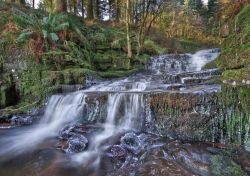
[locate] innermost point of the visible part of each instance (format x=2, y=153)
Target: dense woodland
x=49, y=43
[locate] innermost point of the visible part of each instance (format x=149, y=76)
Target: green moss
x=20, y=108
x=151, y=48
x=236, y=48
x=111, y=60
x=243, y=20
x=116, y=73
x=210, y=65
x=238, y=74
x=2, y=97
x=141, y=60
x=224, y=166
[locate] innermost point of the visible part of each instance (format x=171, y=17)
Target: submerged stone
x=131, y=142
x=77, y=144
x=118, y=151
x=18, y=120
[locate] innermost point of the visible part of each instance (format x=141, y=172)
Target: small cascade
x=60, y=111
x=124, y=113
x=201, y=58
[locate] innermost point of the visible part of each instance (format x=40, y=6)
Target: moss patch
x=237, y=74
x=224, y=166
x=210, y=65
x=236, y=48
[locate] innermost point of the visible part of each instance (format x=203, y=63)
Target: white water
x=201, y=58
x=125, y=106
x=60, y=111
x=132, y=106
x=183, y=63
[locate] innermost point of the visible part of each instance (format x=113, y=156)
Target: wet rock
x=131, y=142
x=191, y=80
x=197, y=160
x=38, y=111
x=77, y=144
x=18, y=120
x=243, y=159
x=66, y=132
x=118, y=151
x=5, y=119
x=162, y=167
x=213, y=150
x=247, y=146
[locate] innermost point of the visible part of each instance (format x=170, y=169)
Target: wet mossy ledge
x=217, y=117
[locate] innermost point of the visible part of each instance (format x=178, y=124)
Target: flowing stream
x=103, y=130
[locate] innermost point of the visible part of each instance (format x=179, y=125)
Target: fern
x=23, y=37
x=78, y=56
x=62, y=26
x=54, y=37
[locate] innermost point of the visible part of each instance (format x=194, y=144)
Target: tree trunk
x=141, y=32
x=22, y=2
x=33, y=4
x=75, y=3
x=90, y=14
x=83, y=11
x=128, y=29
x=60, y=6
x=117, y=11
x=97, y=9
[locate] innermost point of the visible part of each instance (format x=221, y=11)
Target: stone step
x=194, y=80
x=177, y=78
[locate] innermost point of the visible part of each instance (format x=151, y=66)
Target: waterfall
x=127, y=105
x=201, y=58
x=60, y=111
x=124, y=112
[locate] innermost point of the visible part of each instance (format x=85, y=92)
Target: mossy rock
x=68, y=78
x=244, y=95
x=74, y=75
x=116, y=73
x=224, y=166
x=237, y=74
x=141, y=60
x=111, y=60
x=55, y=77
x=151, y=48
x=210, y=65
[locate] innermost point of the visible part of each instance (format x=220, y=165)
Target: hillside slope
x=235, y=49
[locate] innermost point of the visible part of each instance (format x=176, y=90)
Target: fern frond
x=23, y=37
x=62, y=26
x=54, y=37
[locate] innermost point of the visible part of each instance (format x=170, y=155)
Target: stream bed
x=172, y=119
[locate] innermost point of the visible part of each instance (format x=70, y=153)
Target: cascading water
x=125, y=100
x=124, y=112
x=173, y=90
x=61, y=110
